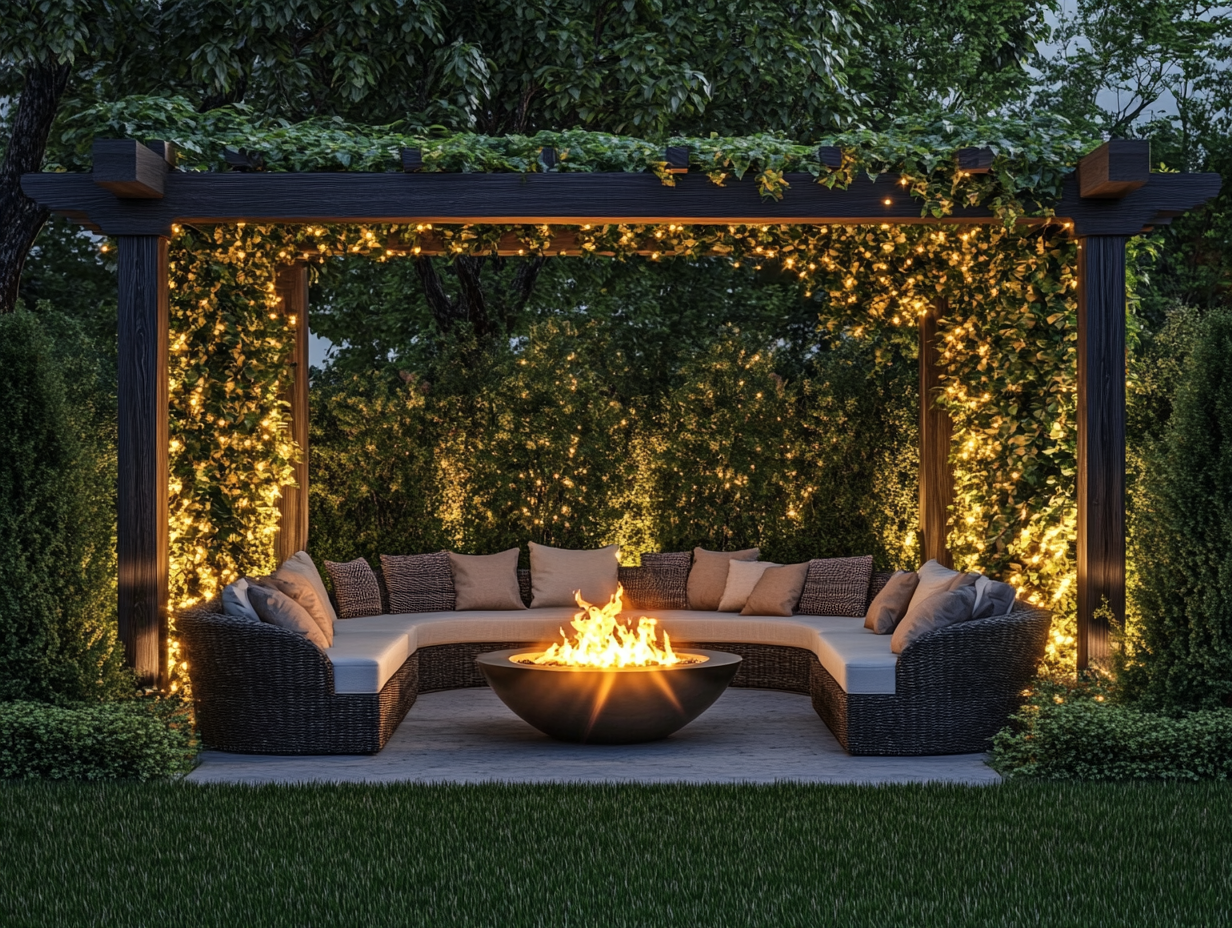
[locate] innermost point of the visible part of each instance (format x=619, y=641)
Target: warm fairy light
x=602, y=640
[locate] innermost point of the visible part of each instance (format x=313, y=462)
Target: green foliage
x=137, y=739
x=57, y=516
x=1184, y=537
x=1080, y=733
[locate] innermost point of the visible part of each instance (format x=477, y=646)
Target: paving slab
x=469, y=736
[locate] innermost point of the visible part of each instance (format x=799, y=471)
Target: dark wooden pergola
x=135, y=194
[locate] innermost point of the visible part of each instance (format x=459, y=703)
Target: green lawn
x=174, y=854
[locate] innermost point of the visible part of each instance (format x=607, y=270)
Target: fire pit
x=612, y=684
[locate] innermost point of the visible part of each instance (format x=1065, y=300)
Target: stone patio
x=468, y=736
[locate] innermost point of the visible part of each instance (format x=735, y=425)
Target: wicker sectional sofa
x=262, y=689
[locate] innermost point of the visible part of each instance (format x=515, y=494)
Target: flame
x=603, y=641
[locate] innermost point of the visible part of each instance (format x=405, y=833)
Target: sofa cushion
x=235, y=601
x=992, y=597
x=296, y=586
x=301, y=563
x=777, y=592
x=419, y=582
x=708, y=576
x=368, y=651
x=356, y=589
x=742, y=576
x=890, y=604
x=933, y=579
x=557, y=573
x=277, y=608
x=836, y=586
x=486, y=581
x=940, y=610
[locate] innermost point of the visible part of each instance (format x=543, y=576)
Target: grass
x=176, y=854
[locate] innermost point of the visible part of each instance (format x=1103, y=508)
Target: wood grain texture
x=142, y=491
x=936, y=433
x=1114, y=169
x=292, y=288
x=1101, y=440
x=564, y=199
x=129, y=169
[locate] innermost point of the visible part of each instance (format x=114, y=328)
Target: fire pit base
x=624, y=706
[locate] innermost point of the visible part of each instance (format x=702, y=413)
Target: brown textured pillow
x=662, y=582
x=486, y=581
x=948, y=607
x=890, y=605
x=836, y=586
x=708, y=578
x=418, y=582
x=277, y=608
x=356, y=588
x=296, y=585
x=778, y=590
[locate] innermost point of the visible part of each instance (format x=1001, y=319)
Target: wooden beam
x=129, y=169
x=936, y=433
x=1101, y=440
x=1115, y=169
x=677, y=158
x=142, y=491
x=830, y=155
x=412, y=160
x=975, y=160
x=292, y=288
x=566, y=198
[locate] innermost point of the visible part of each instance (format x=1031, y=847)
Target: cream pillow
x=556, y=573
x=301, y=563
x=708, y=575
x=742, y=576
x=486, y=581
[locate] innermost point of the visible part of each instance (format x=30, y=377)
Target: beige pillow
x=945, y=608
x=277, y=608
x=555, y=573
x=778, y=590
x=486, y=581
x=890, y=604
x=708, y=575
x=296, y=586
x=301, y=563
x=742, y=576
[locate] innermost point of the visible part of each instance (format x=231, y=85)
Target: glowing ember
x=603, y=641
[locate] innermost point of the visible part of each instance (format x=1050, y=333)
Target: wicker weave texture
x=452, y=666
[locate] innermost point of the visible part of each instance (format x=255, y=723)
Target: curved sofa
x=261, y=689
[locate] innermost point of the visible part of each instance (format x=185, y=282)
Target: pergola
x=135, y=194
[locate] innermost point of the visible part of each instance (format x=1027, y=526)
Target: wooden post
x=142, y=491
x=936, y=431
x=1101, y=439
x=292, y=288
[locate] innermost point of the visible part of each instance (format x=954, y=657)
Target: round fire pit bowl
x=617, y=706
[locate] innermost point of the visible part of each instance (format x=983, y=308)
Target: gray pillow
x=277, y=608
x=995, y=598
x=708, y=577
x=298, y=587
x=235, y=601
x=949, y=607
x=486, y=581
x=890, y=604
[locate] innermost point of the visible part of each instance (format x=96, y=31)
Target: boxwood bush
x=1065, y=733
x=138, y=739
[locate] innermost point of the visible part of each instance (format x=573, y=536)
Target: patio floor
x=468, y=736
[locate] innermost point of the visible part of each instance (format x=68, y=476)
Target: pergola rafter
x=136, y=195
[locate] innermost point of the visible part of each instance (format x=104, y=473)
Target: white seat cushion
x=368, y=651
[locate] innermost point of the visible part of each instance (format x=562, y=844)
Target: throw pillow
x=778, y=591
x=300, y=562
x=235, y=601
x=836, y=586
x=486, y=581
x=964, y=580
x=934, y=579
x=418, y=582
x=276, y=608
x=742, y=576
x=296, y=586
x=356, y=588
x=890, y=604
x=557, y=573
x=938, y=611
x=992, y=598
x=708, y=576
x=663, y=581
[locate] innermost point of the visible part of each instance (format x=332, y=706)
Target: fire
x=603, y=641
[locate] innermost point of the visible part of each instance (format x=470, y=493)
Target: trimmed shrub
x=1083, y=738
x=57, y=516
x=1181, y=654
x=131, y=739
